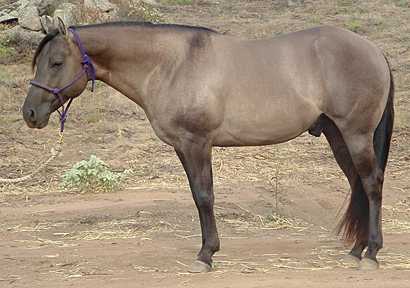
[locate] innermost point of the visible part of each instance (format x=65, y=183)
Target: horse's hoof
x=350, y=261
x=369, y=264
x=199, y=267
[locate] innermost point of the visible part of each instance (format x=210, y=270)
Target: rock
x=8, y=18
x=22, y=38
x=47, y=7
x=25, y=3
x=28, y=18
x=9, y=13
x=68, y=12
x=101, y=5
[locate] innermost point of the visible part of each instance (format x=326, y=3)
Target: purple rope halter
x=87, y=69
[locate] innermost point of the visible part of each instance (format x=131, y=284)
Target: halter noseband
x=87, y=69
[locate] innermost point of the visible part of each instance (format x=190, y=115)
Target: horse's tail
x=382, y=135
x=355, y=223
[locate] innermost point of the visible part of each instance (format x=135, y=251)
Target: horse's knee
x=213, y=244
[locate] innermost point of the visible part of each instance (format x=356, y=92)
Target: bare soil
x=276, y=206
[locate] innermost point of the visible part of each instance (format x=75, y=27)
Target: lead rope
x=55, y=151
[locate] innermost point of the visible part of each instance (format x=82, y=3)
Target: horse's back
x=275, y=89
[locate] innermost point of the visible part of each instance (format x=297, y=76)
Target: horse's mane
x=177, y=27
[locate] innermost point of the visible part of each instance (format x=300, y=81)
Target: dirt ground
x=276, y=206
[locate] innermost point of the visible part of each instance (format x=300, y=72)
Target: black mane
x=177, y=27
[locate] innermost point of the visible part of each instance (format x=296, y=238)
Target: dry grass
x=396, y=218
x=323, y=258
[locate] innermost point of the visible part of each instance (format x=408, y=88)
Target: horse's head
x=57, y=63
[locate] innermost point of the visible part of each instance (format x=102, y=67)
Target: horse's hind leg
x=364, y=159
x=355, y=221
x=196, y=159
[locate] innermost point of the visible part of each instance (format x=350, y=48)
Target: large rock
x=9, y=13
x=47, y=7
x=22, y=38
x=29, y=19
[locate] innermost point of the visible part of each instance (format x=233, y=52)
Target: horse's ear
x=47, y=24
x=62, y=28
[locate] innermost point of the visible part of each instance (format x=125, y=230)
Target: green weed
x=92, y=175
x=354, y=25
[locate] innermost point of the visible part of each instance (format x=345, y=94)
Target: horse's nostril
x=30, y=114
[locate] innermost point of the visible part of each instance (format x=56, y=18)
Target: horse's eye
x=57, y=64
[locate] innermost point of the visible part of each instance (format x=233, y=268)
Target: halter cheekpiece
x=87, y=68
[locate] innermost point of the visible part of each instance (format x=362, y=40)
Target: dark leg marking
x=196, y=159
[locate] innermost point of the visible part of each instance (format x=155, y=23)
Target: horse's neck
x=128, y=59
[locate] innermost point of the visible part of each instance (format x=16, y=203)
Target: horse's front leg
x=196, y=159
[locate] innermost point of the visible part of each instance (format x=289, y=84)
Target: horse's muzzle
x=33, y=118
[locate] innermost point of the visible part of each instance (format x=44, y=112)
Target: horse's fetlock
x=216, y=245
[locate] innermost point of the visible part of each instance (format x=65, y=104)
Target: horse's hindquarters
x=356, y=80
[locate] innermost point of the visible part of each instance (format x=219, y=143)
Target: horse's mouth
x=38, y=124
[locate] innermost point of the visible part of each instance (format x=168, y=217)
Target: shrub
x=92, y=175
x=140, y=11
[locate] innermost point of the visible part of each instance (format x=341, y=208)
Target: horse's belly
x=253, y=128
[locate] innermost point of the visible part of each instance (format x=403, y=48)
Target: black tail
x=355, y=223
x=382, y=135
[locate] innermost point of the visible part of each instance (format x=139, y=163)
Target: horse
x=200, y=89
